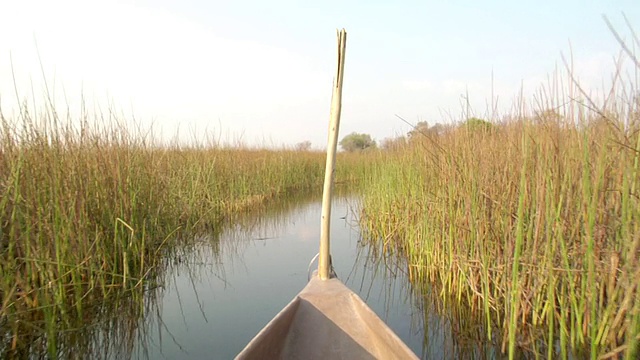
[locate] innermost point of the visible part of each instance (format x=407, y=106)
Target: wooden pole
x=324, y=266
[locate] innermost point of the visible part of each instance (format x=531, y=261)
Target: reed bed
x=533, y=223
x=88, y=212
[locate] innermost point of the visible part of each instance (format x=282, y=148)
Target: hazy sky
x=261, y=71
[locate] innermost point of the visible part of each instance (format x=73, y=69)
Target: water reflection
x=218, y=290
x=448, y=330
x=214, y=310
x=263, y=263
x=104, y=330
x=437, y=330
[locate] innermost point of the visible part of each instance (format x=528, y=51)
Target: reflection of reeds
x=207, y=254
x=106, y=330
x=88, y=213
x=449, y=330
x=531, y=223
x=119, y=327
x=200, y=254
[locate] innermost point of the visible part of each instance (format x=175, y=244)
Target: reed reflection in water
x=222, y=291
x=219, y=289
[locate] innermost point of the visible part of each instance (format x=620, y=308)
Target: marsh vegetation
x=523, y=228
x=529, y=221
x=88, y=213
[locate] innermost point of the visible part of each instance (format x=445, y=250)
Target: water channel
x=217, y=292
x=224, y=290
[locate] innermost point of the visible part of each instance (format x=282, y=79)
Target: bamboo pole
x=324, y=271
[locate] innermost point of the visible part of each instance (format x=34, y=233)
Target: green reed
x=532, y=223
x=88, y=212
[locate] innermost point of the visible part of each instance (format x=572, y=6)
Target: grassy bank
x=87, y=214
x=533, y=223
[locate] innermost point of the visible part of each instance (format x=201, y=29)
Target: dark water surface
x=222, y=291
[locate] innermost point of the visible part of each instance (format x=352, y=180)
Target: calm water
x=214, y=294
x=223, y=291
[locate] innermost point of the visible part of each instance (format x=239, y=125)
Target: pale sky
x=261, y=71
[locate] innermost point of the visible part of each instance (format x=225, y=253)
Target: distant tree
x=393, y=143
x=303, y=146
x=476, y=124
x=420, y=129
x=548, y=115
x=357, y=142
x=437, y=129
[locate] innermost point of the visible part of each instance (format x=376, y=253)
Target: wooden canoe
x=326, y=320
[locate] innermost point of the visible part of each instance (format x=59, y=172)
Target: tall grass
x=533, y=223
x=87, y=212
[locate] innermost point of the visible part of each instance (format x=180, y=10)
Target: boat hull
x=326, y=320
